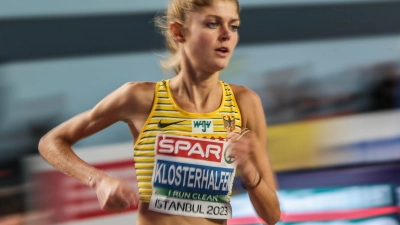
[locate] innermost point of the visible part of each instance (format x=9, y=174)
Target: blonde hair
x=177, y=11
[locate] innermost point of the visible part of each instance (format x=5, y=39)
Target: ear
x=176, y=30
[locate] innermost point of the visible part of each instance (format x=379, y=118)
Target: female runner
x=191, y=132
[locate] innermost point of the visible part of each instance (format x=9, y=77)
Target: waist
x=148, y=217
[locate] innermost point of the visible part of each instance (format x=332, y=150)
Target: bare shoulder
x=137, y=89
x=244, y=95
x=137, y=93
x=250, y=105
x=128, y=100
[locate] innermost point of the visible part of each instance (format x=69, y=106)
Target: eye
x=212, y=25
x=234, y=28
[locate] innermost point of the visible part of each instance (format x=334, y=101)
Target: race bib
x=192, y=177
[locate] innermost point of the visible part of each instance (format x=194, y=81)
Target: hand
x=114, y=194
x=241, y=147
x=242, y=150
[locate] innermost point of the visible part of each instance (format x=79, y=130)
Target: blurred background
x=327, y=71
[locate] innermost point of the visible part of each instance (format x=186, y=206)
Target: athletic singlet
x=181, y=158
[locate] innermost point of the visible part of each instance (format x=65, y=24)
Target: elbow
x=43, y=142
x=52, y=143
x=273, y=216
x=276, y=217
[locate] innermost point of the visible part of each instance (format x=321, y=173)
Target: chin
x=215, y=65
x=220, y=66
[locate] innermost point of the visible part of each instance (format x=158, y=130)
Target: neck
x=203, y=91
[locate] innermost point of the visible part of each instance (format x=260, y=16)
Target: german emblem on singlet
x=229, y=123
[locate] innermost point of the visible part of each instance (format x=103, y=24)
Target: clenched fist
x=114, y=194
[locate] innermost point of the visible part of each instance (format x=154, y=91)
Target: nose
x=225, y=33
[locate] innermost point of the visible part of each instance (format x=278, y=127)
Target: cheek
x=204, y=41
x=202, y=45
x=235, y=39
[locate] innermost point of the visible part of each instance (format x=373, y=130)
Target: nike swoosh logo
x=164, y=125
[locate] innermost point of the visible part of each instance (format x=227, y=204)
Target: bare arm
x=55, y=147
x=254, y=162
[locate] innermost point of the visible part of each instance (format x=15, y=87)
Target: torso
x=147, y=216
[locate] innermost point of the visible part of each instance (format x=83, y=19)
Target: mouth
x=222, y=52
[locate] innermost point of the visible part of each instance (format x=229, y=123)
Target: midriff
x=148, y=217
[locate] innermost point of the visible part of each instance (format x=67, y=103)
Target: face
x=211, y=36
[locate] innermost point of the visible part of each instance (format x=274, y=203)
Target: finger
x=240, y=150
x=244, y=131
x=130, y=195
x=132, y=198
x=125, y=204
x=239, y=157
x=117, y=205
x=240, y=147
x=232, y=136
x=237, y=137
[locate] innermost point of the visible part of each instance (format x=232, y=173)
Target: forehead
x=222, y=8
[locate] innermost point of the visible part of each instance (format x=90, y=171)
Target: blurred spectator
x=32, y=218
x=13, y=210
x=385, y=95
